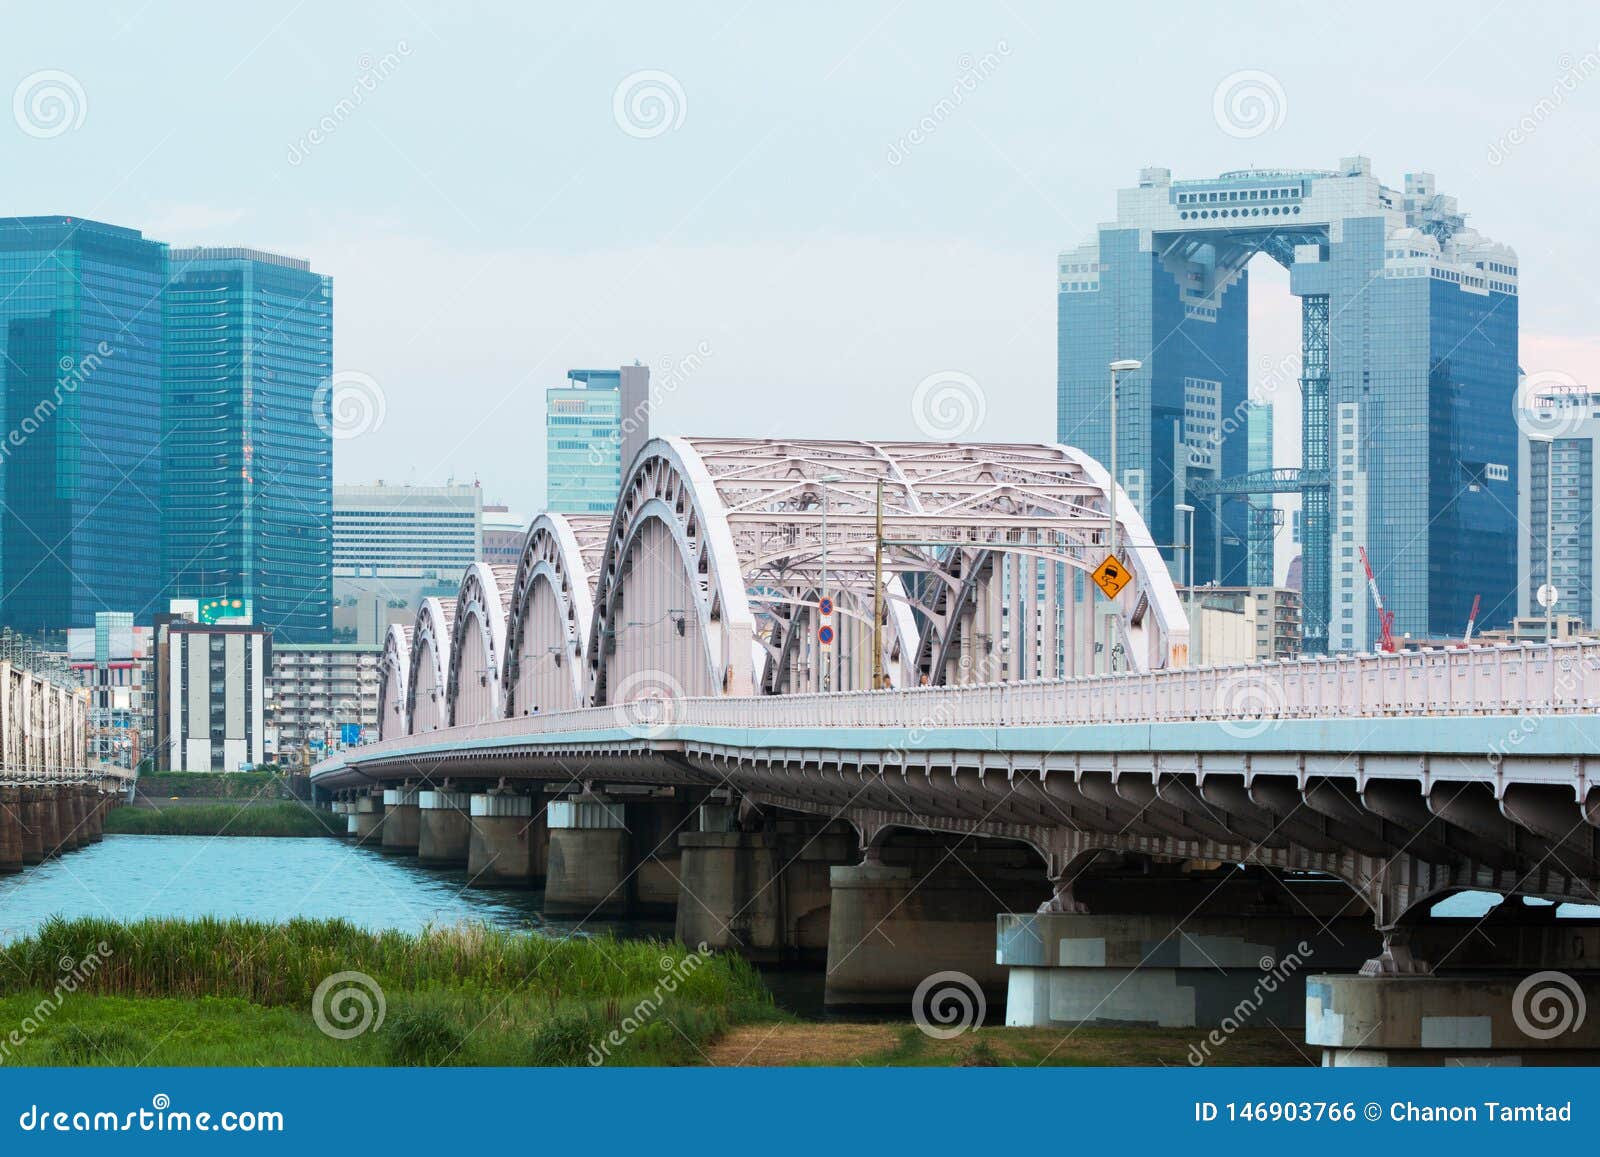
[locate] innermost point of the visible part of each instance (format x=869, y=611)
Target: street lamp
x=825, y=654
x=1120, y=366
x=1187, y=511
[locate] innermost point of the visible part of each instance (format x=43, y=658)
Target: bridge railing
x=1525, y=679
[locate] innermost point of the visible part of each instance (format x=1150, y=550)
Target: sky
x=810, y=211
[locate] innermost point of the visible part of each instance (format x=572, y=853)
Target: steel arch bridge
x=708, y=576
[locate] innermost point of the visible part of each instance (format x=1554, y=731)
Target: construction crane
x=1472, y=620
x=1385, y=617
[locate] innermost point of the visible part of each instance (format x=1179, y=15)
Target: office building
x=503, y=533
x=80, y=399
x=594, y=425
x=394, y=546
x=322, y=697
x=1243, y=624
x=215, y=695
x=1556, y=484
x=247, y=473
x=1408, y=371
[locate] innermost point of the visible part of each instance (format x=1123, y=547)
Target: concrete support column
x=1478, y=1019
x=52, y=817
x=369, y=816
x=1169, y=971
x=94, y=814
x=654, y=826
x=73, y=835
x=892, y=925
x=10, y=829
x=444, y=827
x=509, y=844
x=588, y=865
x=401, y=820
x=763, y=894
x=32, y=813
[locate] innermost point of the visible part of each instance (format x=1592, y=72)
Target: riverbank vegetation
x=225, y=819
x=324, y=992
x=266, y=783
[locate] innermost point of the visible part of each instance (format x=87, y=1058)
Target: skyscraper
x=80, y=407
x=247, y=481
x=1408, y=374
x=594, y=425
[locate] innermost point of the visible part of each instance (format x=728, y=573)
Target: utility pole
x=877, y=595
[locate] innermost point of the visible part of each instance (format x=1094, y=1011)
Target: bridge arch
x=478, y=644
x=550, y=614
x=427, y=707
x=394, y=677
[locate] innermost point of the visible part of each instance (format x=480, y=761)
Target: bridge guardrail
x=1529, y=678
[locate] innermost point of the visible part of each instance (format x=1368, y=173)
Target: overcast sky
x=503, y=191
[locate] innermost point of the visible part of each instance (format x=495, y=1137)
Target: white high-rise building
x=1557, y=479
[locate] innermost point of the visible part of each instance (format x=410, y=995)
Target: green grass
x=225, y=819
x=235, y=992
x=213, y=784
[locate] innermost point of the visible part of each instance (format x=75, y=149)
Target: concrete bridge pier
x=655, y=824
x=509, y=846
x=31, y=812
x=401, y=819
x=53, y=825
x=368, y=819
x=921, y=905
x=1177, y=946
x=94, y=814
x=74, y=834
x=765, y=894
x=444, y=827
x=1520, y=987
x=10, y=829
x=587, y=872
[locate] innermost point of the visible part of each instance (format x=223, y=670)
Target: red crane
x=1472, y=619
x=1385, y=617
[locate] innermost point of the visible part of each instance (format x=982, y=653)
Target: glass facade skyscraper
x=583, y=442
x=247, y=479
x=80, y=405
x=1408, y=379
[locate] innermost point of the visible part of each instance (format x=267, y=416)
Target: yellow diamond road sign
x=1111, y=576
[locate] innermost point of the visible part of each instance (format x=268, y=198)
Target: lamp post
x=1120, y=366
x=825, y=654
x=1187, y=511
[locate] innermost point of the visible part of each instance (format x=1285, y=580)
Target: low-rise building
x=1243, y=624
x=323, y=698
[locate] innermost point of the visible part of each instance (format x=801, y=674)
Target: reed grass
x=222, y=819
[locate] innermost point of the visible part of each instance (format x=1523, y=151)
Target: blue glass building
x=1407, y=384
x=80, y=407
x=583, y=442
x=247, y=437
